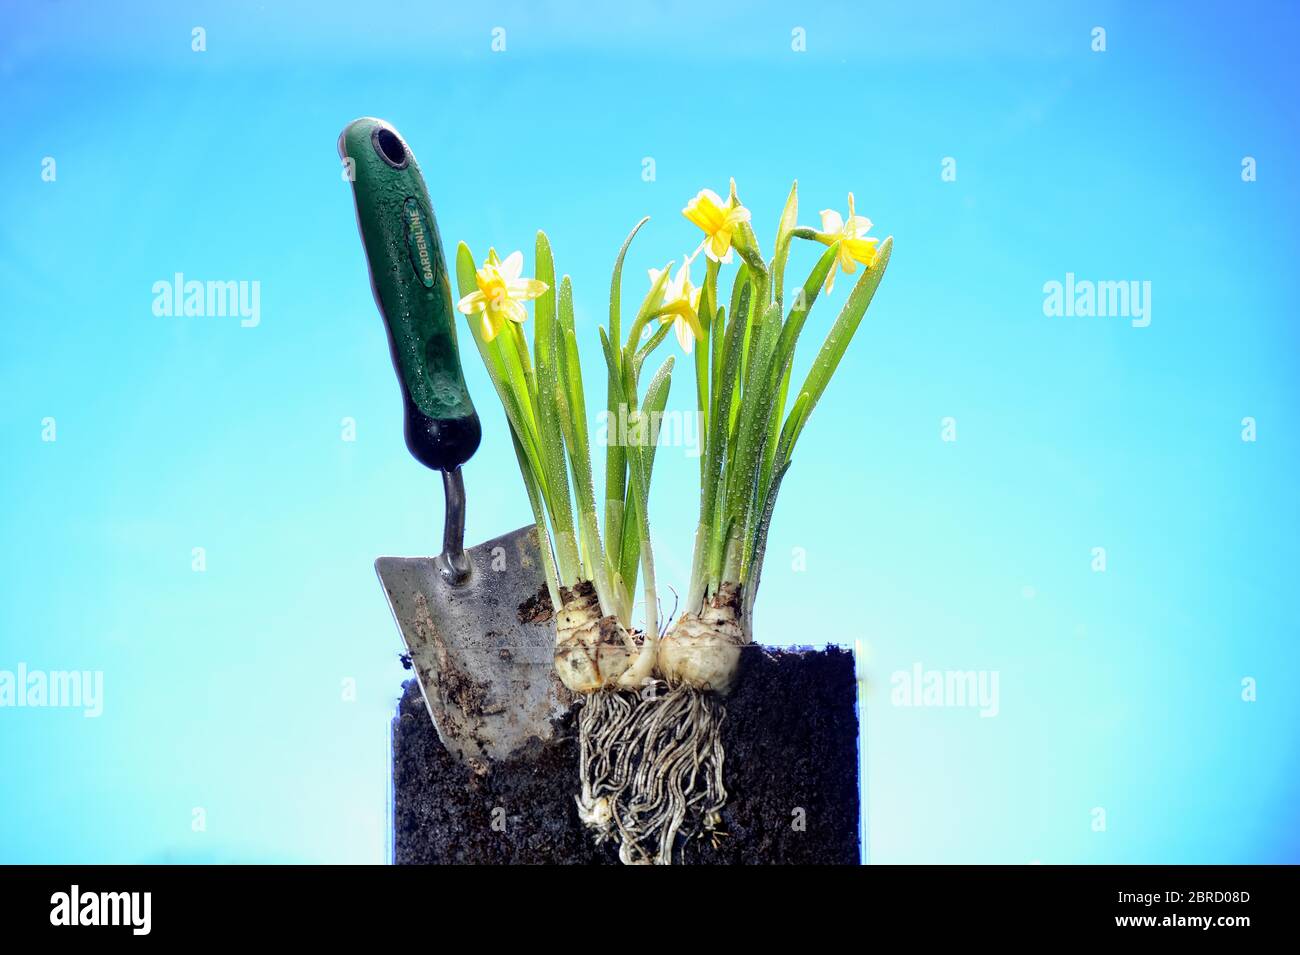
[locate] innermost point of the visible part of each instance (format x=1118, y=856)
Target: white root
x=651, y=768
x=650, y=762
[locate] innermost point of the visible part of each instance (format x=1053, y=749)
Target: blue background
x=1119, y=690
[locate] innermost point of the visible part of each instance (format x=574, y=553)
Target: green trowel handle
x=408, y=273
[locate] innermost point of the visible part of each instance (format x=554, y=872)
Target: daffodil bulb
x=592, y=650
x=703, y=650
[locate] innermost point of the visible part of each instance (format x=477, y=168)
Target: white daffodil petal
x=684, y=273
x=513, y=266
x=473, y=302
x=514, y=311
x=831, y=221
x=684, y=336
x=526, y=288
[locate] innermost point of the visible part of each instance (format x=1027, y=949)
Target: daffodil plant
x=591, y=583
x=649, y=731
x=749, y=424
x=743, y=353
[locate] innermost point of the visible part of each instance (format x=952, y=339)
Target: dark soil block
x=791, y=771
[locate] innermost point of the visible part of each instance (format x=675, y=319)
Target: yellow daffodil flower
x=500, y=294
x=851, y=234
x=718, y=219
x=681, y=303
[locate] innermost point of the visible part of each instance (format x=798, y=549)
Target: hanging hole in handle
x=390, y=147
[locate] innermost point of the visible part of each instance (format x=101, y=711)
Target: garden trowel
x=476, y=622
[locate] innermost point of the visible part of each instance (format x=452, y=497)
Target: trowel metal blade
x=485, y=668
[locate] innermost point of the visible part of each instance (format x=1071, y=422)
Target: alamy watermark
x=133, y=910
x=626, y=428
x=58, y=689
x=189, y=298
x=972, y=689
x=1084, y=298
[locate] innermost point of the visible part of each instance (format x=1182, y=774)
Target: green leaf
x=550, y=433
x=789, y=215
x=622, y=530
x=651, y=343
x=539, y=519
x=656, y=399
x=758, y=393
x=785, y=356
x=841, y=333
x=721, y=450
x=643, y=456
x=741, y=295
x=739, y=289
x=703, y=366
x=510, y=346
x=616, y=284
x=615, y=455
x=775, y=417
x=570, y=367
x=828, y=359
x=793, y=423
x=573, y=421
x=753, y=567
x=495, y=365
x=754, y=562
x=799, y=312
x=649, y=306
x=742, y=320
x=640, y=464
x=527, y=447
